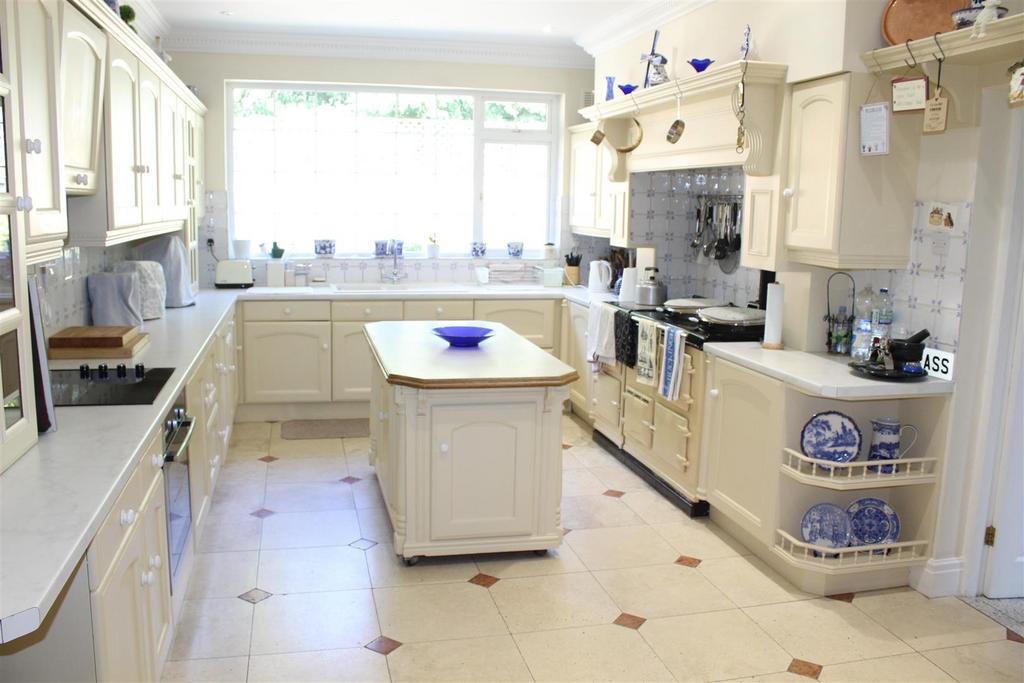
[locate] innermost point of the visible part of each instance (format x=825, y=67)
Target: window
x=358, y=163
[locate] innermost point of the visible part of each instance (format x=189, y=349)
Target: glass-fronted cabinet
x=18, y=425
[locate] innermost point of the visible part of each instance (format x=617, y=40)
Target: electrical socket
x=209, y=241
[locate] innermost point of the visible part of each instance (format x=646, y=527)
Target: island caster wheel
x=540, y=553
x=411, y=561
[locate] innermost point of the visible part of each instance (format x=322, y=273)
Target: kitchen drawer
x=439, y=310
x=638, y=417
x=119, y=523
x=366, y=310
x=531, y=318
x=152, y=461
x=287, y=310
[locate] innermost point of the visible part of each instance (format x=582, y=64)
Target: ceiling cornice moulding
x=367, y=47
x=641, y=18
x=149, y=22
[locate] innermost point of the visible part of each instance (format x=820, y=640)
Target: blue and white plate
x=873, y=521
x=826, y=525
x=832, y=436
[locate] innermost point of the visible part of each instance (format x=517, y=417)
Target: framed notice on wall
x=909, y=94
x=874, y=129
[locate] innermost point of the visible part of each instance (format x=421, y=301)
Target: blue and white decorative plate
x=831, y=435
x=873, y=521
x=826, y=525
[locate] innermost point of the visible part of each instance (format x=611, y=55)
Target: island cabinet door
x=483, y=476
x=287, y=362
x=744, y=446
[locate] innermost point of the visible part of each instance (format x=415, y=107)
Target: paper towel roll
x=773, y=317
x=627, y=293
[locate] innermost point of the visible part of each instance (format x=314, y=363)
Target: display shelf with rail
x=856, y=475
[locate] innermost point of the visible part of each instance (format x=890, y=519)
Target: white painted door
x=122, y=130
x=482, y=470
x=583, y=182
x=287, y=362
x=82, y=77
x=605, y=402
x=352, y=362
x=157, y=583
x=149, y=145
x=580, y=390
x=119, y=617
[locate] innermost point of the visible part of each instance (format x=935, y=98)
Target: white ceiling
x=536, y=22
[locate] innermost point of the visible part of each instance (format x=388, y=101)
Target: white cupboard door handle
x=614, y=403
x=155, y=562
x=157, y=461
x=713, y=393
x=287, y=310
x=127, y=517
x=440, y=311
x=685, y=432
x=444, y=447
x=366, y=311
x=19, y=204
x=232, y=368
x=594, y=401
x=787, y=192
x=28, y=202
x=325, y=346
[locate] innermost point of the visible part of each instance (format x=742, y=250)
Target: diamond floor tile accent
x=843, y=597
x=262, y=513
x=802, y=668
x=565, y=531
x=1014, y=636
x=566, y=446
x=383, y=645
x=255, y=595
x=350, y=479
x=687, y=561
x=363, y=544
x=612, y=493
x=629, y=621
x=267, y=458
x=485, y=580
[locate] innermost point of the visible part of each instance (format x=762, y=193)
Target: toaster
x=233, y=274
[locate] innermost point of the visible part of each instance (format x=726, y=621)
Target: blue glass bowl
x=700, y=64
x=463, y=335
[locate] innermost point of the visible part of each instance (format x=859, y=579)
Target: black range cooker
x=698, y=332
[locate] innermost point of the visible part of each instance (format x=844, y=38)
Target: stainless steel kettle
x=650, y=291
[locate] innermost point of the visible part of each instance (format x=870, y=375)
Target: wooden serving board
x=95, y=336
x=134, y=345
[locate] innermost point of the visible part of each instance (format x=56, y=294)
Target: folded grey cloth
x=115, y=299
x=152, y=285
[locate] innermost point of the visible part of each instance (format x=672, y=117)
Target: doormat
x=294, y=430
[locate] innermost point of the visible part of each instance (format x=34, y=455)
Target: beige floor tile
x=703, y=540
x=242, y=470
x=561, y=560
x=375, y=524
x=327, y=468
x=241, y=431
x=654, y=509
x=571, y=462
x=308, y=496
x=928, y=624
x=309, y=529
x=359, y=465
x=748, y=581
x=995, y=662
x=476, y=660
x=212, y=628
x=443, y=611
x=714, y=646
x=662, y=591
x=780, y=677
x=617, y=547
x=542, y=603
x=224, y=670
x=592, y=512
x=249, y=440
x=223, y=575
x=237, y=496
x=356, y=665
x=303, y=622
x=581, y=483
x=310, y=570
x=302, y=448
x=367, y=494
x=237, y=532
x=386, y=569
x=908, y=668
x=593, y=456
x=619, y=477
x=594, y=653
x=852, y=635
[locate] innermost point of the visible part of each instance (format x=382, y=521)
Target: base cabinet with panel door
x=606, y=410
x=534, y=319
x=200, y=402
x=287, y=361
x=352, y=362
x=83, y=70
x=575, y=346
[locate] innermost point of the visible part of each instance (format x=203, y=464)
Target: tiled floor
x=296, y=580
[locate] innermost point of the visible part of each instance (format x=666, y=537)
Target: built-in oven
x=178, y=428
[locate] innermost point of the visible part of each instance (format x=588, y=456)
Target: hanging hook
x=911, y=53
x=942, y=52
x=636, y=107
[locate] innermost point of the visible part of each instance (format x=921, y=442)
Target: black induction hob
x=104, y=386
x=699, y=332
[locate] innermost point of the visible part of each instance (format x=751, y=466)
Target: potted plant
x=433, y=248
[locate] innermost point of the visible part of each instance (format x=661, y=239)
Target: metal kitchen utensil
x=675, y=131
x=698, y=234
x=722, y=244
x=709, y=244
x=737, y=220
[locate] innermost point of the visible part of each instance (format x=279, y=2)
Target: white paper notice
x=874, y=129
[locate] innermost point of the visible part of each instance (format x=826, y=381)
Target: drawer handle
x=647, y=424
x=287, y=310
x=594, y=401
x=440, y=311
x=147, y=578
x=157, y=461
x=787, y=192
x=325, y=346
x=127, y=517
x=614, y=404
x=713, y=393
x=684, y=431
x=155, y=562
x=366, y=311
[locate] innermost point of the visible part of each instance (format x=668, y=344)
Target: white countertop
x=420, y=291
x=820, y=374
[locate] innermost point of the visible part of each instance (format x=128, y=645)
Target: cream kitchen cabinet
x=576, y=355
x=157, y=577
x=149, y=169
x=353, y=363
x=201, y=401
x=844, y=210
x=532, y=318
x=287, y=361
x=606, y=403
x=451, y=309
x=637, y=420
x=761, y=232
x=37, y=42
x=124, y=164
x=171, y=156
x=671, y=453
x=82, y=79
x=745, y=423
x=583, y=181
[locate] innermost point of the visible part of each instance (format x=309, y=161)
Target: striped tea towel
x=671, y=370
x=647, y=352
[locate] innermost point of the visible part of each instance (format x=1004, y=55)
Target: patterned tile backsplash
x=63, y=297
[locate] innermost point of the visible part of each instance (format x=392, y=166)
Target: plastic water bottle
x=863, y=325
x=882, y=316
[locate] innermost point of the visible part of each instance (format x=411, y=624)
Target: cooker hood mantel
x=707, y=102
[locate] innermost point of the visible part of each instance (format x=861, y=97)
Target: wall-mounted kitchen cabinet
x=83, y=74
x=841, y=209
x=598, y=206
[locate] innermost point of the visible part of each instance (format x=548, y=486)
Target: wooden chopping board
x=94, y=336
x=129, y=350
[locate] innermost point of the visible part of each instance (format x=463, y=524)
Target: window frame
x=551, y=138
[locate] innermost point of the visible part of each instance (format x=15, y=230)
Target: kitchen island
x=466, y=441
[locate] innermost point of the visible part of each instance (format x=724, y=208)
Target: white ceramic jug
x=600, y=276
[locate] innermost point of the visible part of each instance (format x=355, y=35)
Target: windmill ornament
x=656, y=73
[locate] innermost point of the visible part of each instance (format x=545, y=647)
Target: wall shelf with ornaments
x=707, y=103
x=1003, y=42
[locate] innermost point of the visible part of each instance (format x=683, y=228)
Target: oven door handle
x=179, y=452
